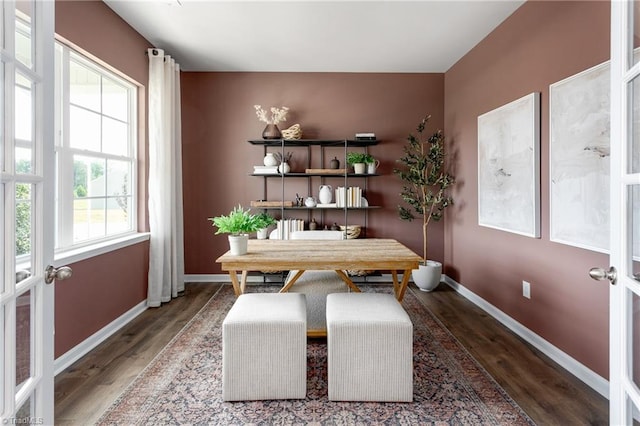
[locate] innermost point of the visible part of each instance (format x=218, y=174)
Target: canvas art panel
x=509, y=167
x=579, y=144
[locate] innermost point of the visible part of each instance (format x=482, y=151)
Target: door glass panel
x=24, y=415
x=24, y=225
x=634, y=227
x=24, y=46
x=24, y=160
x=634, y=143
x=23, y=337
x=24, y=108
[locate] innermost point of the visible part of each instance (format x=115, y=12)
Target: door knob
x=61, y=273
x=601, y=274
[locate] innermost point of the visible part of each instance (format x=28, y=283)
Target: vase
x=271, y=131
x=284, y=168
x=326, y=194
x=359, y=168
x=269, y=160
x=427, y=277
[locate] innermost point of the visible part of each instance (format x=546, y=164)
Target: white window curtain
x=166, y=254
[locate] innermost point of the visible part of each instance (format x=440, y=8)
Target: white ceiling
x=315, y=36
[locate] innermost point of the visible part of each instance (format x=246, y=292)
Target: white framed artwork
x=579, y=142
x=509, y=167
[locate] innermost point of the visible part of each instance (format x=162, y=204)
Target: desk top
x=363, y=253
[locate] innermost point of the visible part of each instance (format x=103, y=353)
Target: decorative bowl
x=353, y=231
x=293, y=132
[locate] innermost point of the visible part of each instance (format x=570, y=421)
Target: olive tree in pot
x=238, y=224
x=425, y=186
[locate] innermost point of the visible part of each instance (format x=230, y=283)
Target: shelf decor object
x=271, y=131
x=509, y=167
x=579, y=143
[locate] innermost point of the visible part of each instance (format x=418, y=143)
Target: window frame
x=65, y=246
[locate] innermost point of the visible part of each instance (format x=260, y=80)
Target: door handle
x=600, y=274
x=61, y=273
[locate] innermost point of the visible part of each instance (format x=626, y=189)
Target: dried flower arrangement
x=283, y=158
x=277, y=114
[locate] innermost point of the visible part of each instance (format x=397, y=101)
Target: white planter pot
x=238, y=244
x=359, y=168
x=262, y=233
x=427, y=277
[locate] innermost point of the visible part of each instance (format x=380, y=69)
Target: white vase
x=269, y=160
x=238, y=244
x=427, y=277
x=359, y=168
x=262, y=234
x=284, y=168
x=325, y=194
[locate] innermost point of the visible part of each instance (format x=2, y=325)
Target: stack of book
x=348, y=197
x=265, y=170
x=286, y=226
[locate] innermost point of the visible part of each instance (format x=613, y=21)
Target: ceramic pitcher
x=326, y=194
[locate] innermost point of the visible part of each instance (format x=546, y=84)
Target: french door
x=27, y=218
x=625, y=215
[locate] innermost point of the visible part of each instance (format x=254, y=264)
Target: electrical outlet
x=526, y=289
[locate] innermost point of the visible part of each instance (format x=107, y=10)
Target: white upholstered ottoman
x=370, y=348
x=264, y=347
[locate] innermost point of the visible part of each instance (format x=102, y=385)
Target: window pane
x=88, y=219
x=634, y=145
x=117, y=215
x=2, y=100
x=114, y=137
x=23, y=108
x=88, y=177
x=23, y=338
x=84, y=129
x=84, y=87
x=115, y=101
x=24, y=50
x=24, y=162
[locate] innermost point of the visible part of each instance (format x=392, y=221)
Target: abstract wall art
x=509, y=167
x=579, y=141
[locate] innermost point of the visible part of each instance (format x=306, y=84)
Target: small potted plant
x=238, y=224
x=425, y=191
x=372, y=164
x=358, y=160
x=265, y=220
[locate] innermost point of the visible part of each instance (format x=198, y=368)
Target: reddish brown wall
x=104, y=287
x=218, y=118
x=541, y=43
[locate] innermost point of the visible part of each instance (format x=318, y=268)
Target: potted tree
x=238, y=224
x=425, y=192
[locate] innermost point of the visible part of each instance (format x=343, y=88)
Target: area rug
x=183, y=384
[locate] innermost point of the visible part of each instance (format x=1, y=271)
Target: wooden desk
x=301, y=255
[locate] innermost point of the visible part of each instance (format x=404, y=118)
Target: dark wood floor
x=546, y=392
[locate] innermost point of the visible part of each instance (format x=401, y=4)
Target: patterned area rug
x=183, y=384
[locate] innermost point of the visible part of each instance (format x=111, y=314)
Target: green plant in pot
x=265, y=220
x=358, y=160
x=424, y=191
x=239, y=223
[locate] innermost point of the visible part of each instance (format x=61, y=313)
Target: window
x=95, y=152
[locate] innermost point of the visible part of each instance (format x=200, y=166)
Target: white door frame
x=624, y=395
x=37, y=390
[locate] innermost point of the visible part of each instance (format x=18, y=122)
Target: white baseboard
x=80, y=350
x=592, y=379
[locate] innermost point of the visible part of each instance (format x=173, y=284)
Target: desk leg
x=243, y=282
x=291, y=282
x=396, y=285
x=348, y=281
x=236, y=285
x=403, y=286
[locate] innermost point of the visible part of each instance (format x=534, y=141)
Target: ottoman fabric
x=370, y=348
x=264, y=348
